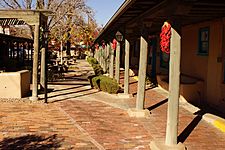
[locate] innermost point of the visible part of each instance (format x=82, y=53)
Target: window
x=203, y=41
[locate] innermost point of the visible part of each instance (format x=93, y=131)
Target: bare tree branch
x=8, y=4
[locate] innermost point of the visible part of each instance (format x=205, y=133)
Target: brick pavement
x=78, y=117
x=38, y=126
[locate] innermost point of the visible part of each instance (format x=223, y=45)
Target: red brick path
x=86, y=119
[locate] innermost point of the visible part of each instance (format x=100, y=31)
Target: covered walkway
x=78, y=117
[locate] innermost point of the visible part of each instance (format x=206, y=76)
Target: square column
x=174, y=89
x=104, y=57
x=111, y=57
x=100, y=56
x=139, y=111
x=142, y=74
x=174, y=94
x=42, y=77
x=107, y=57
x=35, y=64
x=127, y=65
x=117, y=68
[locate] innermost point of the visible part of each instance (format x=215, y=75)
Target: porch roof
x=134, y=14
x=14, y=38
x=11, y=21
x=22, y=17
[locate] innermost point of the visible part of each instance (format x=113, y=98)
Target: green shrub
x=97, y=69
x=92, y=60
x=96, y=82
x=105, y=84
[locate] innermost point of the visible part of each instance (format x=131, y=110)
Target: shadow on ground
x=157, y=105
x=73, y=97
x=191, y=126
x=31, y=142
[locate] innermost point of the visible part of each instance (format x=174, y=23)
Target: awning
x=152, y=13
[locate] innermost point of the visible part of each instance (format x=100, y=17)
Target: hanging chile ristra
x=96, y=46
x=165, y=36
x=114, y=44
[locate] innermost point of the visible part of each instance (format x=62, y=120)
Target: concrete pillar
x=107, y=57
x=42, y=78
x=100, y=56
x=104, y=58
x=117, y=68
x=95, y=53
x=111, y=57
x=173, y=102
x=142, y=74
x=35, y=64
x=174, y=89
x=127, y=64
x=61, y=50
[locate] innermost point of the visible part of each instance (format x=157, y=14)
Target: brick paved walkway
x=79, y=117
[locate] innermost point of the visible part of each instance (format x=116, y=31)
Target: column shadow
x=68, y=88
x=149, y=88
x=192, y=125
x=69, y=93
x=73, y=97
x=157, y=104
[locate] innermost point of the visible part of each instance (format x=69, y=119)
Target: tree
x=68, y=21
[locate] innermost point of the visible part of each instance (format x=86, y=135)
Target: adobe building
x=194, y=67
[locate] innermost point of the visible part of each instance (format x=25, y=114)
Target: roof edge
x=116, y=15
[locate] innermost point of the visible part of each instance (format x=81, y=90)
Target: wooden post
x=126, y=74
x=174, y=89
x=35, y=64
x=104, y=58
x=117, y=69
x=142, y=74
x=96, y=53
x=111, y=67
x=42, y=78
x=100, y=55
x=107, y=57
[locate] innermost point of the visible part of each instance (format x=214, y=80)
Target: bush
x=95, y=65
x=92, y=60
x=97, y=69
x=105, y=84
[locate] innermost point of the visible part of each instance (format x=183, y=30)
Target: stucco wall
x=207, y=68
x=14, y=84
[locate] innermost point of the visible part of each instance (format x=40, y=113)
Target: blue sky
x=104, y=9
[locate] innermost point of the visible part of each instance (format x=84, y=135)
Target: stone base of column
x=122, y=95
x=32, y=98
x=133, y=112
x=157, y=145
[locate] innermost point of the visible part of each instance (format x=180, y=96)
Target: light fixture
x=46, y=33
x=119, y=36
